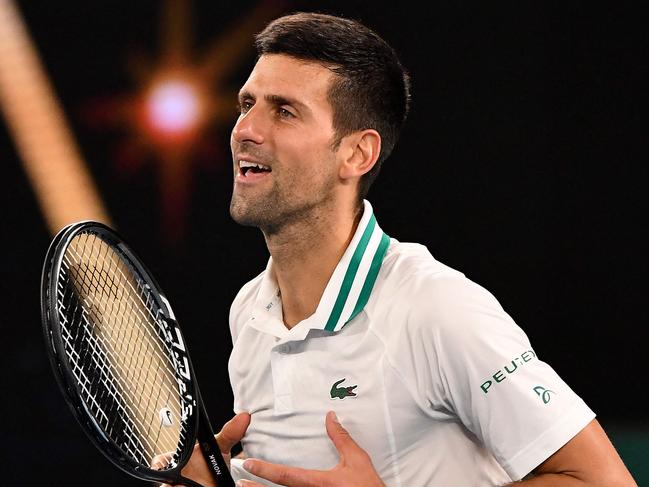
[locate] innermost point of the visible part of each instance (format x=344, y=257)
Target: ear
x=360, y=152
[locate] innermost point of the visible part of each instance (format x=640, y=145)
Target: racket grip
x=212, y=453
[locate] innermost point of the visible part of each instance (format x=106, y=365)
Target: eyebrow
x=277, y=100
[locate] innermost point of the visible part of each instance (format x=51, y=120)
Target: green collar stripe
x=350, y=275
x=377, y=260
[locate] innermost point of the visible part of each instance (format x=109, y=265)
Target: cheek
x=307, y=161
x=313, y=172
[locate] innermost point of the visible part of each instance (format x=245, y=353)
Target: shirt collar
x=346, y=293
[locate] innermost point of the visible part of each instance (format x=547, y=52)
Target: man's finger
x=340, y=437
x=161, y=461
x=232, y=432
x=283, y=475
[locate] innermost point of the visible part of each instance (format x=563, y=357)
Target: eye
x=244, y=106
x=284, y=113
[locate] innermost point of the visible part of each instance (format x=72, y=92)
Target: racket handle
x=212, y=452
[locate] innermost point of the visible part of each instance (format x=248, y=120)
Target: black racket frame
x=198, y=423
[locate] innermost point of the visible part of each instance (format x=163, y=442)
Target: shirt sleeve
x=478, y=365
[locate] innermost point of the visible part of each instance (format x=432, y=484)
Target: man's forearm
x=567, y=480
x=549, y=480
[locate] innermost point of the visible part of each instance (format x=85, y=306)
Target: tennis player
x=359, y=360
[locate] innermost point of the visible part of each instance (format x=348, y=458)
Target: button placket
x=282, y=370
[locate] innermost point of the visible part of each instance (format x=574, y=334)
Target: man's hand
x=196, y=468
x=355, y=467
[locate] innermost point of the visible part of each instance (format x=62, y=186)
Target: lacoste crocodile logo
x=342, y=392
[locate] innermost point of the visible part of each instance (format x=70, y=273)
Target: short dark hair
x=372, y=89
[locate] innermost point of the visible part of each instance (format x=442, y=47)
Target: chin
x=246, y=222
x=246, y=215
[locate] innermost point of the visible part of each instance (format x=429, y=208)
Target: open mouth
x=247, y=168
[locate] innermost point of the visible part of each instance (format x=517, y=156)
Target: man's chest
x=310, y=376
x=289, y=387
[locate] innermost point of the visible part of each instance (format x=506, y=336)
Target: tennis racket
x=120, y=358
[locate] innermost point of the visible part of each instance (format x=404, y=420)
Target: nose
x=249, y=127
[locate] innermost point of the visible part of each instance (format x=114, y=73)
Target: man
x=434, y=383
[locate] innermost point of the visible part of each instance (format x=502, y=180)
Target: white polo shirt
x=422, y=366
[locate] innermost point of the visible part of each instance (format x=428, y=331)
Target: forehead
x=286, y=76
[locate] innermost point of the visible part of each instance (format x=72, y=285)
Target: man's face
x=285, y=126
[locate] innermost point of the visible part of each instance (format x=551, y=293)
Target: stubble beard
x=281, y=207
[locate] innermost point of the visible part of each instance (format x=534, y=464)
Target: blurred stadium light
x=173, y=107
x=54, y=166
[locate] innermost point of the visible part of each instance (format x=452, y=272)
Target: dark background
x=523, y=164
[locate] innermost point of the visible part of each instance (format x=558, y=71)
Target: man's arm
x=587, y=460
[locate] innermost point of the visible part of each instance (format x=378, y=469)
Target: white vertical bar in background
x=58, y=175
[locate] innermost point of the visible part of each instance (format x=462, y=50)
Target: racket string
x=128, y=426
x=89, y=386
x=115, y=330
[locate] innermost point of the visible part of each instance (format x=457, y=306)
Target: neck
x=305, y=254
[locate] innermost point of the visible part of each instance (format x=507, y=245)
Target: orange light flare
x=181, y=105
x=174, y=109
x=172, y=112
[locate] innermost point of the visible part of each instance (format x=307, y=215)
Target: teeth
x=243, y=164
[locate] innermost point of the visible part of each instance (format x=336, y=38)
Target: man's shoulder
x=428, y=292
x=409, y=269
x=248, y=292
x=243, y=302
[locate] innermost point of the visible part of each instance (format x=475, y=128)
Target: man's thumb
x=232, y=432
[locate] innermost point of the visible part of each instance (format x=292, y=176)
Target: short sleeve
x=475, y=362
